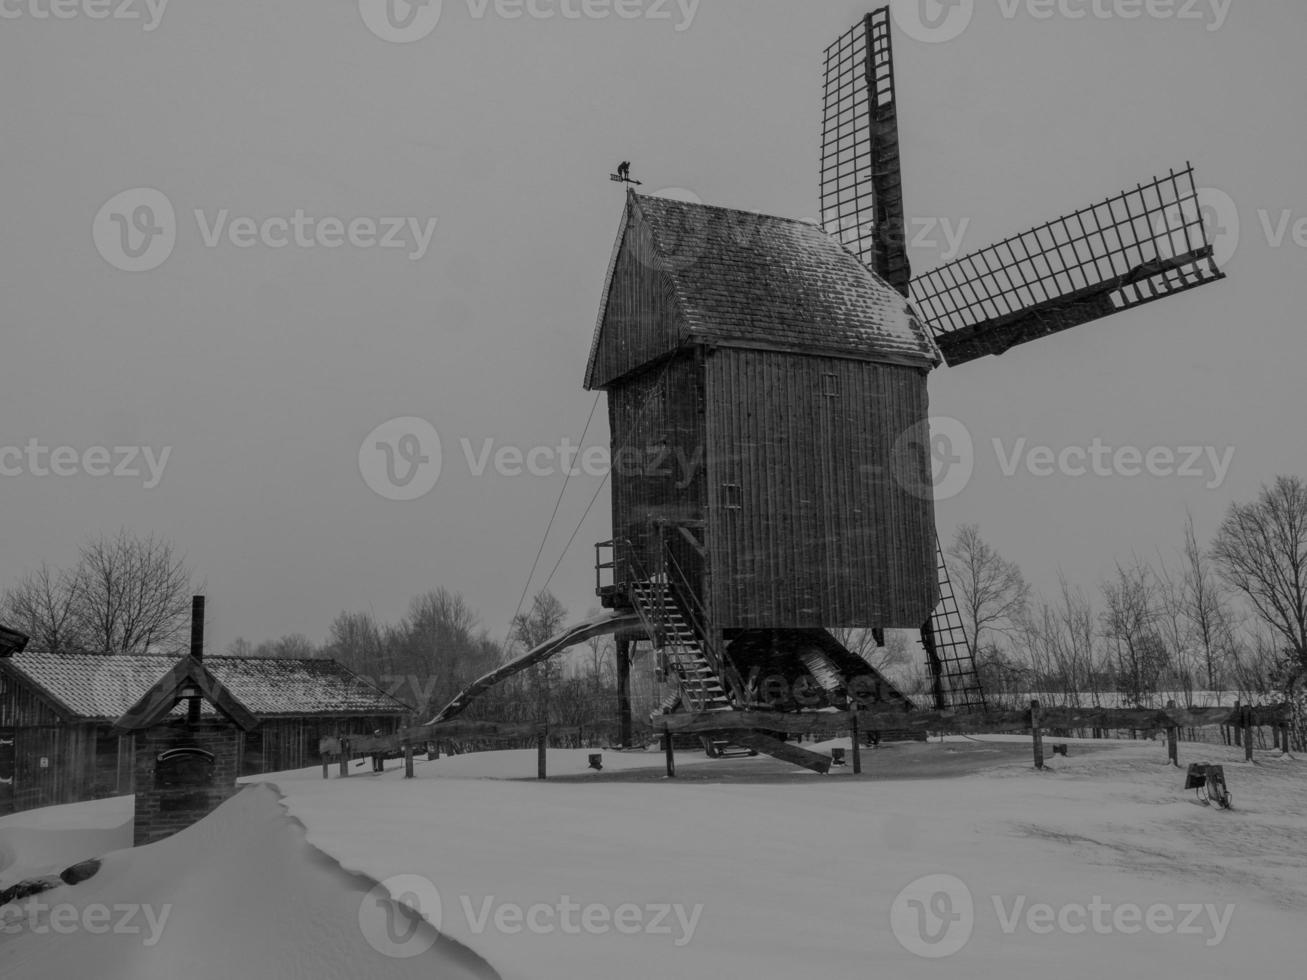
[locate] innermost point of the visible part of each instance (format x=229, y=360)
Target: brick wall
x=162, y=810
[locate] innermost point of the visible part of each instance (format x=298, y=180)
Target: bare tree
x=1207, y=606
x=133, y=594
x=1129, y=621
x=1261, y=551
x=43, y=605
x=546, y=619
x=992, y=593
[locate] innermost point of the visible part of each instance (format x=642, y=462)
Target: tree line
x=1224, y=617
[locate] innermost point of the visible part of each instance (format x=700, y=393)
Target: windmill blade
x=1138, y=247
x=861, y=172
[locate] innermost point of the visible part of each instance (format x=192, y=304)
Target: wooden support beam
x=542, y=751
x=1036, y=734
x=857, y=743
x=1172, y=740
x=774, y=747
x=669, y=752
x=624, y=719
x=408, y=760
x=1248, y=734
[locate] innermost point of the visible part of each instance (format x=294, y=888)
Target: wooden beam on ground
x=784, y=751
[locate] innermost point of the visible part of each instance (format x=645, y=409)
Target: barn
x=58, y=712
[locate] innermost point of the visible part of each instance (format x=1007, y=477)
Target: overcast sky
x=262, y=369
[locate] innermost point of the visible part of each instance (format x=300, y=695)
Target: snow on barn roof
x=104, y=687
x=741, y=278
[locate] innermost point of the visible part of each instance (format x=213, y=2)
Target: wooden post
x=671, y=756
x=1172, y=739
x=857, y=742
x=624, y=693
x=344, y=757
x=1237, y=727
x=326, y=767
x=1248, y=733
x=1036, y=734
x=542, y=744
x=408, y=760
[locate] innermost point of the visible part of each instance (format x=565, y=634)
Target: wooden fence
x=1037, y=721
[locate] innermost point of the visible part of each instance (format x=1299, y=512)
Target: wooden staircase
x=701, y=688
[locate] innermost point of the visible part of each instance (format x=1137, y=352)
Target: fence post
x=1248, y=733
x=857, y=742
x=1035, y=733
x=408, y=760
x=542, y=743
x=1172, y=738
x=344, y=757
x=671, y=756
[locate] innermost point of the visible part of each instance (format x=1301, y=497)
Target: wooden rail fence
x=1035, y=720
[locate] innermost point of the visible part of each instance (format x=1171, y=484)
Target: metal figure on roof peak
x=623, y=175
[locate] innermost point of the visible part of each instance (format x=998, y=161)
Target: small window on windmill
x=732, y=496
x=830, y=385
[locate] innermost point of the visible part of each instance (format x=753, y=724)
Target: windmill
x=765, y=378
x=1135, y=248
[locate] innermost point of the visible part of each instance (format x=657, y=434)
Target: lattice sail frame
x=1135, y=248
x=861, y=170
x=959, y=683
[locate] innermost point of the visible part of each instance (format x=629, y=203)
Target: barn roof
x=92, y=687
x=745, y=279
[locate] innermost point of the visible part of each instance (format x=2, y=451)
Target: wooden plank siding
x=658, y=467
x=809, y=523
x=641, y=320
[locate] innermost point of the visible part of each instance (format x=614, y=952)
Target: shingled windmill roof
x=739, y=278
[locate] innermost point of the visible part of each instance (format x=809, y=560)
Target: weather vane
x=623, y=175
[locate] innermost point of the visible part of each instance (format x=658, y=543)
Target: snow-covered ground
x=1103, y=865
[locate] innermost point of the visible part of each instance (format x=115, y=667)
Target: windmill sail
x=861, y=172
x=1138, y=247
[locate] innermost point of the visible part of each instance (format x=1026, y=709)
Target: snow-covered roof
x=95, y=687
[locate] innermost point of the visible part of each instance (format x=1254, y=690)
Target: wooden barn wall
x=45, y=760
x=641, y=323
x=809, y=524
x=658, y=471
